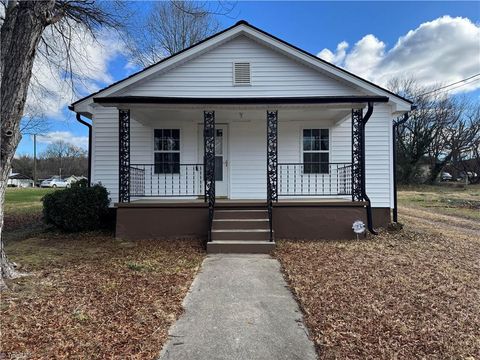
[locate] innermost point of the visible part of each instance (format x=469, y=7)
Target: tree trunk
x=438, y=168
x=20, y=35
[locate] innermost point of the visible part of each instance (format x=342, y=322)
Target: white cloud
x=50, y=91
x=437, y=52
x=65, y=136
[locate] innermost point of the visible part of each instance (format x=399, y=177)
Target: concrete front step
x=229, y=224
x=240, y=247
x=241, y=234
x=241, y=214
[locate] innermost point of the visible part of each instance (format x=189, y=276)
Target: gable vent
x=241, y=73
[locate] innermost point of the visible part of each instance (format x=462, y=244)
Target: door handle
x=226, y=163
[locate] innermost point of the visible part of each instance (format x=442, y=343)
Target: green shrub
x=78, y=208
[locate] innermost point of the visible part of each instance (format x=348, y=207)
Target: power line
x=455, y=83
x=466, y=83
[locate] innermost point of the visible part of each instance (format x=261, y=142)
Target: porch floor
x=199, y=202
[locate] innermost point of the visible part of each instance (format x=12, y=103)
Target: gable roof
x=235, y=30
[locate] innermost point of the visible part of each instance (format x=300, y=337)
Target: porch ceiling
x=151, y=115
x=326, y=108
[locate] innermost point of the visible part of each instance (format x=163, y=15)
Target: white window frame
x=179, y=151
x=303, y=151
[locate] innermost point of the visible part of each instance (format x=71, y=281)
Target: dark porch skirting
x=292, y=220
x=323, y=223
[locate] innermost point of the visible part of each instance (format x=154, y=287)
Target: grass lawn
x=448, y=199
x=413, y=294
x=26, y=200
x=90, y=296
x=23, y=207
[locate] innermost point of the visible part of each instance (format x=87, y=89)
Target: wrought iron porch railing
x=314, y=179
x=166, y=180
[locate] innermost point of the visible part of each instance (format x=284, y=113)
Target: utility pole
x=34, y=160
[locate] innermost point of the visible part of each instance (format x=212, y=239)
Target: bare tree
x=172, y=26
x=457, y=136
x=24, y=26
x=440, y=132
x=415, y=137
x=61, y=149
x=461, y=143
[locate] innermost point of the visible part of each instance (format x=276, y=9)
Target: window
x=241, y=73
x=167, y=151
x=316, y=145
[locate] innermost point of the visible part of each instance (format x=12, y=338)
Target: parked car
x=446, y=176
x=54, y=183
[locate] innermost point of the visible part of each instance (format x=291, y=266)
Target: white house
x=242, y=138
x=19, y=180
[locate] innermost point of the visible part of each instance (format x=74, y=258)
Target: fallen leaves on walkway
x=93, y=297
x=414, y=294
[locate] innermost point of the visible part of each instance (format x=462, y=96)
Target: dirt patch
x=405, y=295
x=459, y=201
x=440, y=223
x=16, y=221
x=92, y=297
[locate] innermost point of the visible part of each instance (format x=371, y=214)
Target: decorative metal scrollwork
x=272, y=164
x=124, y=155
x=209, y=163
x=358, y=141
x=272, y=155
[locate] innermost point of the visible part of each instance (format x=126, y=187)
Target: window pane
x=175, y=139
x=315, y=139
x=307, y=139
x=218, y=168
x=307, y=144
x=157, y=139
x=311, y=163
x=324, y=138
x=324, y=167
x=167, y=163
x=219, y=142
x=158, y=164
x=176, y=134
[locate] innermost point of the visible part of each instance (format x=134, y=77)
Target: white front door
x=221, y=158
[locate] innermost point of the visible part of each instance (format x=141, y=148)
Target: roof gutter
x=89, y=126
x=364, y=188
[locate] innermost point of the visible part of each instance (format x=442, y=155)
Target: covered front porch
x=269, y=153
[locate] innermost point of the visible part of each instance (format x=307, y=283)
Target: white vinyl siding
x=210, y=75
x=247, y=150
x=272, y=74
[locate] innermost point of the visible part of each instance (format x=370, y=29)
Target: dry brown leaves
x=21, y=220
x=92, y=297
x=414, y=294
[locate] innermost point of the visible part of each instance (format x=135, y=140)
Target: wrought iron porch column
x=123, y=155
x=358, y=156
x=209, y=164
x=272, y=155
x=272, y=164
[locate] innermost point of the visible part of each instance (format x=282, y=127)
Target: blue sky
x=312, y=26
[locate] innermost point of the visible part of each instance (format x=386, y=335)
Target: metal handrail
x=166, y=180
x=314, y=179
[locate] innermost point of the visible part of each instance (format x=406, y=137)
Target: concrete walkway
x=239, y=307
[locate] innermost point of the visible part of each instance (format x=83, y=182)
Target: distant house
x=240, y=138
x=19, y=180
